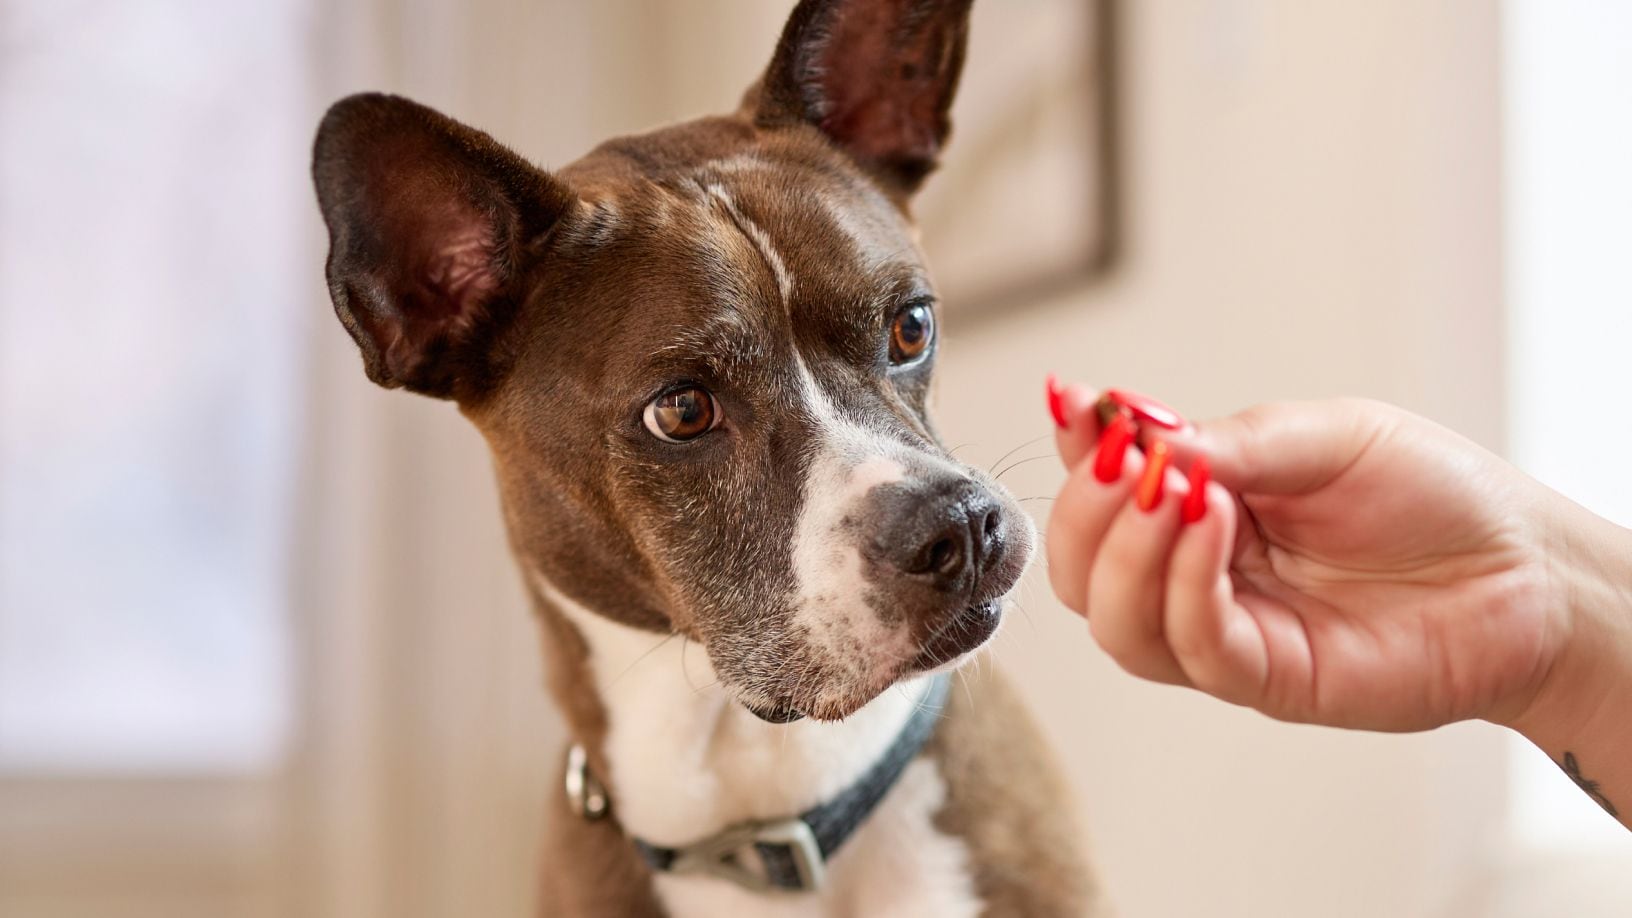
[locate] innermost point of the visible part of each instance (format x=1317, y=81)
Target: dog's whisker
x=1026, y=614
x=918, y=704
x=637, y=661
x=998, y=476
x=686, y=674
x=1017, y=449
x=968, y=693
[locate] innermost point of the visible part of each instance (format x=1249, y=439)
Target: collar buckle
x=744, y=854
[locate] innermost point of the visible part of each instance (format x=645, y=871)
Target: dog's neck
x=683, y=759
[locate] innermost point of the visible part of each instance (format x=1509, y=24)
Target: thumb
x=1283, y=447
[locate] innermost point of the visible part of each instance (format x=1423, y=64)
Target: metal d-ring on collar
x=779, y=854
x=585, y=794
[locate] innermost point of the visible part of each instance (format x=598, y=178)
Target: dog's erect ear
x=877, y=76
x=431, y=226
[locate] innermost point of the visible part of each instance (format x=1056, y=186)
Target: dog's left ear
x=432, y=227
x=877, y=76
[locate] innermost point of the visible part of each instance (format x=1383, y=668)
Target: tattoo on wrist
x=1590, y=788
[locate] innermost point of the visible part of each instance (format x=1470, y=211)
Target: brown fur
x=553, y=307
x=1009, y=804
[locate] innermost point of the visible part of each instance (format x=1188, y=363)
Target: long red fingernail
x=1151, y=484
x=1145, y=408
x=1195, y=503
x=1056, y=402
x=1113, y=448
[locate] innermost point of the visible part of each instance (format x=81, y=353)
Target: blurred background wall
x=287, y=668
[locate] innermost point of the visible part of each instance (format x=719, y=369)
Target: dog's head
x=701, y=356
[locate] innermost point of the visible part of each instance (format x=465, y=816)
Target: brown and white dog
x=700, y=357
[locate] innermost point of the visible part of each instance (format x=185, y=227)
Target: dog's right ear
x=432, y=226
x=876, y=76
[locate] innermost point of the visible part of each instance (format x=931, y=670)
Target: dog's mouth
x=959, y=635
x=783, y=713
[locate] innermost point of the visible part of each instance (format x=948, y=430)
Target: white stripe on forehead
x=879, y=232
x=761, y=241
x=838, y=433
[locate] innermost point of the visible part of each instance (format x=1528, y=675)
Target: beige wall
x=1310, y=208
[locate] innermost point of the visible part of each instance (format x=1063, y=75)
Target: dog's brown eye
x=681, y=414
x=911, y=333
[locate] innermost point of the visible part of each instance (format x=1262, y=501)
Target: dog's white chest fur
x=687, y=761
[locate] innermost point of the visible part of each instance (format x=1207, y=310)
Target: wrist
x=1585, y=686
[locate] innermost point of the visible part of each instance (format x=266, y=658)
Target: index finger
x=1076, y=423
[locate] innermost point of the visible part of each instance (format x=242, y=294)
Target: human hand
x=1365, y=568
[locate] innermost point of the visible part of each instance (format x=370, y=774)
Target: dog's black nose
x=947, y=534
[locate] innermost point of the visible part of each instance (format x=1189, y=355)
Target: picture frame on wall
x=1033, y=128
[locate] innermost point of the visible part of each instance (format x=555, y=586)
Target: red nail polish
x=1056, y=402
x=1151, y=483
x=1195, y=503
x=1145, y=408
x=1113, y=448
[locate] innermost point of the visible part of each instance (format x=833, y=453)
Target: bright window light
x=1569, y=257
x=151, y=280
